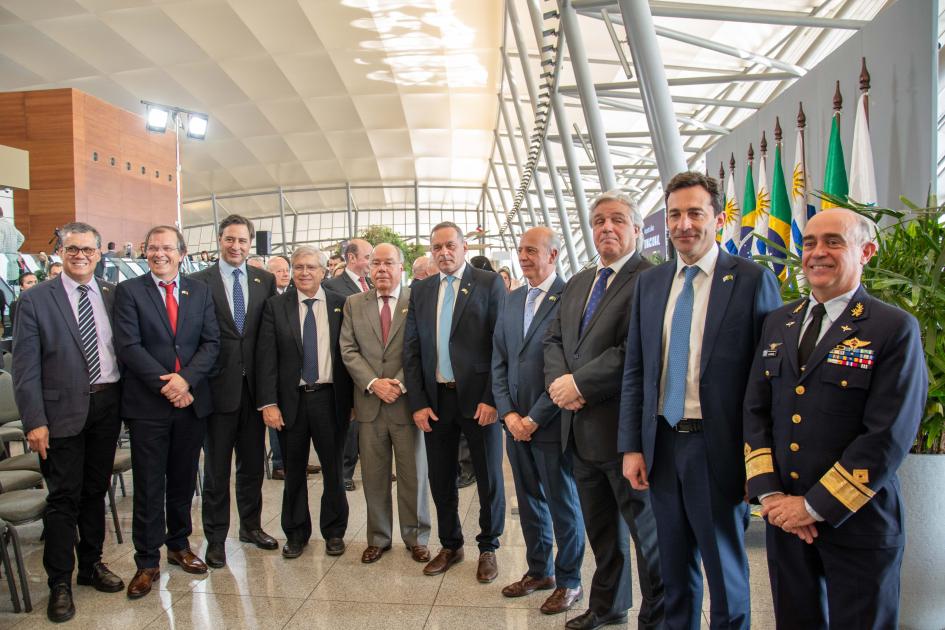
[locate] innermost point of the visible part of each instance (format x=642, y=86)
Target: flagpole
x=865, y=88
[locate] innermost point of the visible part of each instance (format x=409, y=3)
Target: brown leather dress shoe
x=487, y=570
x=279, y=474
x=186, y=560
x=562, y=599
x=528, y=585
x=373, y=553
x=443, y=561
x=420, y=553
x=140, y=584
x=313, y=469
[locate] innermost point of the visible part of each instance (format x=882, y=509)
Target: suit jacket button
x=799, y=390
x=795, y=447
x=794, y=475
x=796, y=418
x=843, y=383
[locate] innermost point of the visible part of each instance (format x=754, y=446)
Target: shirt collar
x=458, y=275
x=835, y=306
x=72, y=286
x=319, y=295
x=227, y=269
x=617, y=265
x=545, y=286
x=354, y=277
x=158, y=281
x=394, y=293
x=706, y=263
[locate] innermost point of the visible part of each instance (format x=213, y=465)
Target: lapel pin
x=552, y=298
x=789, y=324
x=845, y=328
x=257, y=280
x=800, y=307
x=404, y=310
x=727, y=277
x=464, y=291
x=184, y=292
x=855, y=343
x=857, y=310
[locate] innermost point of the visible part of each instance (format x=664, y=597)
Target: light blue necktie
x=597, y=294
x=674, y=399
x=239, y=304
x=443, y=336
x=533, y=294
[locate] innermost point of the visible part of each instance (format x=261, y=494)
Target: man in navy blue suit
x=447, y=370
x=694, y=327
x=835, y=396
x=167, y=338
x=544, y=482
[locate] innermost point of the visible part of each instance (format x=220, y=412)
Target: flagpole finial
x=764, y=143
x=731, y=164
x=721, y=170
x=751, y=153
x=777, y=129
x=801, y=117
x=864, y=76
x=837, y=98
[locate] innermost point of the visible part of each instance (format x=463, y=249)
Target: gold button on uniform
x=843, y=383
x=795, y=447
x=794, y=475
x=799, y=390
x=796, y=418
x=767, y=373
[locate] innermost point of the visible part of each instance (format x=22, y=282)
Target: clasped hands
x=520, y=428
x=790, y=514
x=177, y=390
x=564, y=393
x=387, y=389
x=485, y=415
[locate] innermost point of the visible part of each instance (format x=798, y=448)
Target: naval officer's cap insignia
x=800, y=307
x=845, y=328
x=856, y=343
x=857, y=310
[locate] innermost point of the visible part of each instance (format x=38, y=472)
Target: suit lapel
x=219, y=295
x=183, y=301
x=843, y=328
x=108, y=298
x=369, y=300
x=155, y=294
x=791, y=333
x=663, y=284
x=546, y=306
x=466, y=288
x=723, y=283
x=257, y=295
x=399, y=313
x=62, y=301
x=291, y=303
x=352, y=285
x=616, y=284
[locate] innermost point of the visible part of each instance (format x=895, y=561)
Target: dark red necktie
x=385, y=318
x=171, y=303
x=364, y=286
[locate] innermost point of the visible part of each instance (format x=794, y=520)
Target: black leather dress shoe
x=292, y=549
x=259, y=538
x=591, y=620
x=465, y=480
x=335, y=546
x=216, y=555
x=350, y=486
x=60, y=607
x=101, y=578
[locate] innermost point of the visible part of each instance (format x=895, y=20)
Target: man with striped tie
x=65, y=379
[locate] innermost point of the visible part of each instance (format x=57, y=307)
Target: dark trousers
x=315, y=424
x=696, y=521
x=244, y=432
x=822, y=585
x=77, y=470
x=277, y=462
x=548, y=503
x=485, y=445
x=164, y=455
x=351, y=450
x=611, y=507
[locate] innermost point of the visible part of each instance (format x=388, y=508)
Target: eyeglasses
x=72, y=250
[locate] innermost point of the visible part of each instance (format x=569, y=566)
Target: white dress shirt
x=543, y=288
x=834, y=309
x=457, y=281
x=320, y=308
x=701, y=286
x=175, y=280
x=108, y=364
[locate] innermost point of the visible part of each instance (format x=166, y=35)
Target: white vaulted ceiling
x=299, y=92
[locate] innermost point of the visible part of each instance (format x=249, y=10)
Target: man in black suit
x=355, y=279
x=584, y=359
x=447, y=369
x=239, y=292
x=695, y=325
x=65, y=381
x=168, y=341
x=305, y=393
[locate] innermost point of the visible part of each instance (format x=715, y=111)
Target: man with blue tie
x=168, y=340
x=544, y=483
x=584, y=357
x=694, y=326
x=239, y=291
x=447, y=369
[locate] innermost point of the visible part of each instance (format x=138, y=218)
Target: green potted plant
x=907, y=272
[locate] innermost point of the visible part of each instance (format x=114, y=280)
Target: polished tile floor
x=259, y=589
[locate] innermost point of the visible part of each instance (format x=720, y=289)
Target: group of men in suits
x=624, y=396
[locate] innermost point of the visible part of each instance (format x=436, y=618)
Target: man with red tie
x=168, y=340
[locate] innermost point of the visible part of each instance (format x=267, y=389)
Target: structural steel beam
x=705, y=80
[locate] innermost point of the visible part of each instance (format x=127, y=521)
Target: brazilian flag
x=779, y=221
x=748, y=215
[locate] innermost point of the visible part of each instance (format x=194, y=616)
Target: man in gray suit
x=372, y=342
x=65, y=381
